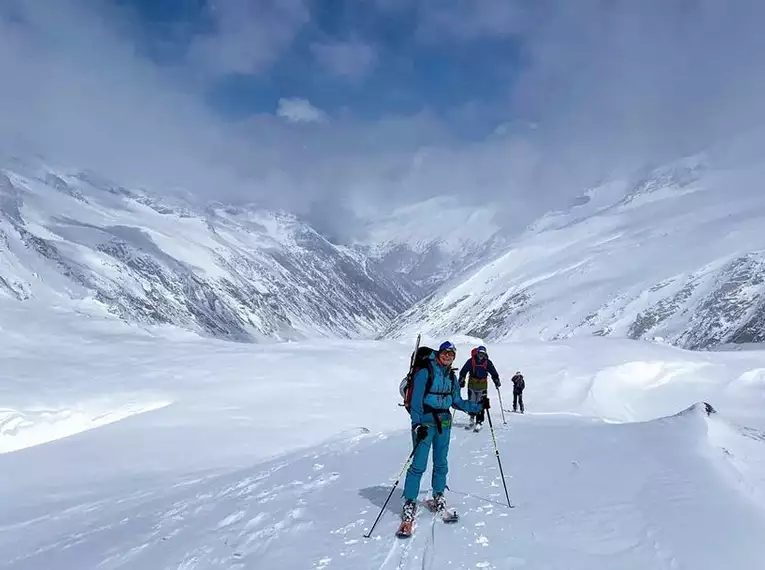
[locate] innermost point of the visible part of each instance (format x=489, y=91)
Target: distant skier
x=478, y=367
x=434, y=391
x=518, y=385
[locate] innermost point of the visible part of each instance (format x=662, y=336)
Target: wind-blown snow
x=281, y=456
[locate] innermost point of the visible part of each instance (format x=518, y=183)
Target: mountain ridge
x=662, y=255
x=229, y=272
x=665, y=256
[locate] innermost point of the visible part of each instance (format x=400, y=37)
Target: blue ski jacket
x=444, y=394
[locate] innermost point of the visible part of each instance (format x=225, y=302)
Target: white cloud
x=601, y=86
x=74, y=89
x=456, y=19
x=352, y=60
x=300, y=111
x=248, y=35
x=443, y=21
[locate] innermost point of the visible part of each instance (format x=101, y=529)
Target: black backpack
x=420, y=360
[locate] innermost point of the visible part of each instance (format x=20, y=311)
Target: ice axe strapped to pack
x=405, y=387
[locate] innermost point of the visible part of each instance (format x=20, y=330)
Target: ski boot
x=407, y=519
x=437, y=505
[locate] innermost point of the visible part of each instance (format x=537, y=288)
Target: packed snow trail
x=589, y=495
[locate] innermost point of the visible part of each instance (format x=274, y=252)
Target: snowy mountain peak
x=231, y=272
x=621, y=194
x=431, y=241
x=442, y=222
x=667, y=255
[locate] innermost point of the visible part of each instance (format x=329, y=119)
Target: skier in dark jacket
x=479, y=367
x=518, y=385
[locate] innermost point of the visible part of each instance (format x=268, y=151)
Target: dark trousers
x=476, y=396
x=517, y=399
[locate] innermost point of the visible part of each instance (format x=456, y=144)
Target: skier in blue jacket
x=431, y=425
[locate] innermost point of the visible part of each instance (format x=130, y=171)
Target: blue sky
x=363, y=58
x=354, y=106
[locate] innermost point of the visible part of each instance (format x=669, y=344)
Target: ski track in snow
x=229, y=477
x=575, y=508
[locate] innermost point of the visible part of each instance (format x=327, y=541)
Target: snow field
x=280, y=456
x=19, y=430
x=587, y=494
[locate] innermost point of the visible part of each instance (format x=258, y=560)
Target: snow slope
x=239, y=273
x=431, y=241
x=674, y=254
x=229, y=462
x=587, y=496
x=236, y=272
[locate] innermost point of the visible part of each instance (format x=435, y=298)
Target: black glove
x=421, y=431
x=485, y=403
x=462, y=382
x=497, y=383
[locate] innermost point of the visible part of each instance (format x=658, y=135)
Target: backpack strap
x=429, y=382
x=428, y=390
x=430, y=410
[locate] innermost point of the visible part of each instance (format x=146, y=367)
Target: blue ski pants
x=440, y=444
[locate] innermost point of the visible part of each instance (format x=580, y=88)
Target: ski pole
x=385, y=504
x=496, y=450
x=501, y=406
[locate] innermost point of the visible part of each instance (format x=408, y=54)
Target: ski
x=405, y=529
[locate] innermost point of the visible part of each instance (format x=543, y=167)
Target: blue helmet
x=481, y=349
x=447, y=346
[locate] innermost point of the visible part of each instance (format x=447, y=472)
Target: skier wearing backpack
x=518, y=385
x=434, y=390
x=479, y=367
